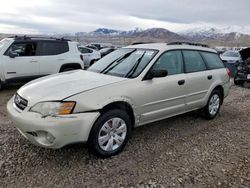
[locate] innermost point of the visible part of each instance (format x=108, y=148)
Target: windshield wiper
x=119, y=60
x=132, y=71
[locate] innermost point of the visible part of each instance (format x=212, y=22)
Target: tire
x=2, y=85
x=212, y=108
x=92, y=62
x=238, y=82
x=114, y=127
x=68, y=69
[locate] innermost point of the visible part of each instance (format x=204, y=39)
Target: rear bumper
x=52, y=132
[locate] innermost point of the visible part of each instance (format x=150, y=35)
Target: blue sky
x=64, y=16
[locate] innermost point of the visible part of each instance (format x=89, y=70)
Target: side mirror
x=13, y=54
x=160, y=73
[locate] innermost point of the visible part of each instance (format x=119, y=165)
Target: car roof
x=171, y=46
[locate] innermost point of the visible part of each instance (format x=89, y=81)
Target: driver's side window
x=171, y=61
x=23, y=49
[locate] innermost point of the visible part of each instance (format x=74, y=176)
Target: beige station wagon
x=130, y=87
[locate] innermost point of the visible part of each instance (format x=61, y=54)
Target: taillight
x=81, y=57
x=228, y=72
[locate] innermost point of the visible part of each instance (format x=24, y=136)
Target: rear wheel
x=213, y=105
x=68, y=69
x=110, y=133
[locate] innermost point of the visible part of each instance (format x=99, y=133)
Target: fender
x=126, y=100
x=213, y=86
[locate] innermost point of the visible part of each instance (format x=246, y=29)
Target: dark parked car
x=231, y=58
x=243, y=68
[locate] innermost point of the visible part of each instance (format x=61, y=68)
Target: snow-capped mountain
x=207, y=33
x=235, y=29
x=200, y=32
x=137, y=32
x=159, y=33
x=131, y=32
x=105, y=31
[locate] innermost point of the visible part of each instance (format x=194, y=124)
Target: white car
x=25, y=58
x=90, y=56
x=231, y=56
x=130, y=87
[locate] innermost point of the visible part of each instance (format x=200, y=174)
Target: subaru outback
x=130, y=87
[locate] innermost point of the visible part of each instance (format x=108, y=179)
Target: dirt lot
x=185, y=151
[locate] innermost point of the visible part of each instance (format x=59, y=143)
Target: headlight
x=53, y=108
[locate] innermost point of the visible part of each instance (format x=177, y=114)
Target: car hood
x=225, y=58
x=245, y=54
x=63, y=85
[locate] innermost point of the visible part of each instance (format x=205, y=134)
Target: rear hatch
x=245, y=56
x=245, y=53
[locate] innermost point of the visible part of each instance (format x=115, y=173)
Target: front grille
x=20, y=102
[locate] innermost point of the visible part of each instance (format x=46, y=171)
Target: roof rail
x=188, y=43
x=25, y=37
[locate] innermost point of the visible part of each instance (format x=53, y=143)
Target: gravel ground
x=184, y=151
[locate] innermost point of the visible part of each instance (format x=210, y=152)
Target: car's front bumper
x=242, y=77
x=52, y=132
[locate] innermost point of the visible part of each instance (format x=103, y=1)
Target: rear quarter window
x=213, y=61
x=52, y=48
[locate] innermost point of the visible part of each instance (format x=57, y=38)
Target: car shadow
x=14, y=86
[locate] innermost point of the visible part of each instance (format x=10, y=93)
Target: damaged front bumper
x=52, y=132
x=242, y=77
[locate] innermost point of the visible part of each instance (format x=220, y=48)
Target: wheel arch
x=122, y=105
x=70, y=65
x=221, y=90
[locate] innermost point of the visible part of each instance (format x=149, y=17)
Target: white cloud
x=61, y=16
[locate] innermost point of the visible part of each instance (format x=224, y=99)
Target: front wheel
x=92, y=62
x=213, y=105
x=110, y=133
x=238, y=82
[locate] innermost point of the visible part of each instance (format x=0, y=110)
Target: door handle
x=209, y=77
x=181, y=82
x=33, y=61
x=60, y=59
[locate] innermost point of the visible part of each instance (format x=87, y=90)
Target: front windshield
x=124, y=62
x=231, y=54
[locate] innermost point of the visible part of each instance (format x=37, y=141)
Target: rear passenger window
x=170, y=61
x=52, y=47
x=193, y=61
x=213, y=61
